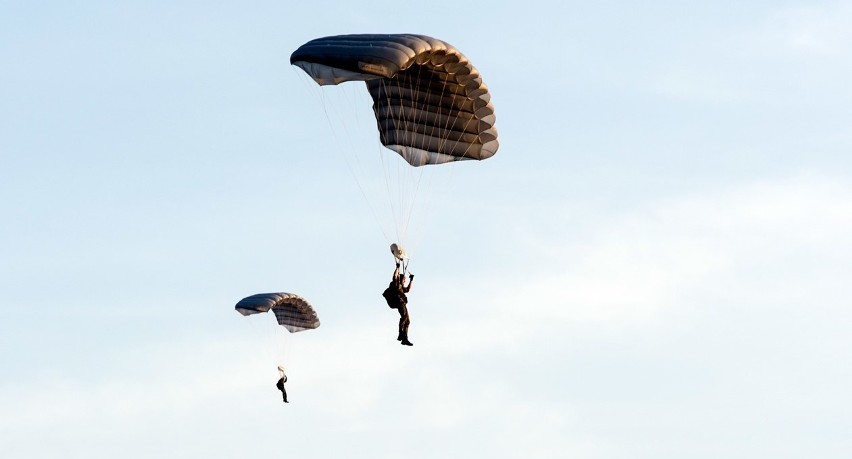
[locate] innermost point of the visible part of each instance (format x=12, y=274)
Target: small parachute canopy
x=430, y=103
x=291, y=311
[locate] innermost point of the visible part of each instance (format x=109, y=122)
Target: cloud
x=817, y=30
x=494, y=378
x=793, y=55
x=762, y=242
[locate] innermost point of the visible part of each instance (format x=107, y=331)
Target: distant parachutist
x=291, y=311
x=280, y=383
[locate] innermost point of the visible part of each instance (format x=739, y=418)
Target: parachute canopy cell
x=291, y=311
x=430, y=103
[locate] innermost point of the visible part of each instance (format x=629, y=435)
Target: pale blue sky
x=655, y=264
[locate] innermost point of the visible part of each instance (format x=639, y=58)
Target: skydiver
x=280, y=384
x=396, y=299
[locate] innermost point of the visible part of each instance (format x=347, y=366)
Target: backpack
x=391, y=297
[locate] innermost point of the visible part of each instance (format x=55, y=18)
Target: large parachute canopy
x=291, y=311
x=430, y=103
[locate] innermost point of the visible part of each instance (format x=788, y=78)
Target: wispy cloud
x=795, y=54
x=655, y=257
x=780, y=246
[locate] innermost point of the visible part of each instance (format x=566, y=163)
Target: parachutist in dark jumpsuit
x=280, y=384
x=395, y=296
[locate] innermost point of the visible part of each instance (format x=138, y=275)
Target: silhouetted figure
x=280, y=384
x=395, y=296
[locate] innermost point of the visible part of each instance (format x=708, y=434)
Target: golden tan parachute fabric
x=291, y=311
x=430, y=103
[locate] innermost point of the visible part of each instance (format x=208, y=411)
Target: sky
x=655, y=263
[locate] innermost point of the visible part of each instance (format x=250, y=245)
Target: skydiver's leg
x=403, y=313
x=284, y=394
x=405, y=326
x=404, y=322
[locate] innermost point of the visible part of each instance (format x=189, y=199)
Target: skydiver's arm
x=396, y=272
x=410, y=281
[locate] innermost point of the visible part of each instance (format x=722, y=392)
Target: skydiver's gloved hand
x=397, y=264
x=411, y=277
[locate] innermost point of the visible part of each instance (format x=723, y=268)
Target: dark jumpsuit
x=395, y=296
x=280, y=386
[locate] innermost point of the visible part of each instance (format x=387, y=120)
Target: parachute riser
x=400, y=257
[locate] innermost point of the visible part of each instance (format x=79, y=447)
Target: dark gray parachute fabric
x=291, y=311
x=429, y=100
